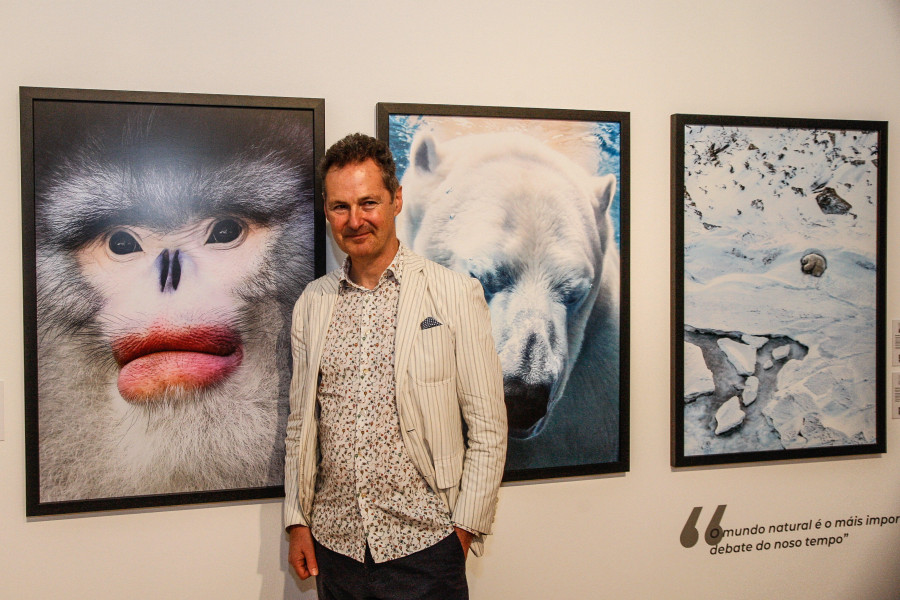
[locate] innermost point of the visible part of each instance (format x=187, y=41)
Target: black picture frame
x=109, y=177
x=571, y=419
x=778, y=288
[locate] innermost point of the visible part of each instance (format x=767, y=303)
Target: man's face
x=360, y=211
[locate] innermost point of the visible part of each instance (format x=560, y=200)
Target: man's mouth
x=175, y=358
x=357, y=235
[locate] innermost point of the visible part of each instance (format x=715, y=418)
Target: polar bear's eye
x=488, y=291
x=573, y=297
x=573, y=292
x=494, y=281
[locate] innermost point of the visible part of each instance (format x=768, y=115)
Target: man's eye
x=225, y=231
x=122, y=242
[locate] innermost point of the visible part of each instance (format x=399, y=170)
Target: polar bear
x=534, y=228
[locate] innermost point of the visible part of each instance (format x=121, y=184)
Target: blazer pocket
x=432, y=358
x=448, y=470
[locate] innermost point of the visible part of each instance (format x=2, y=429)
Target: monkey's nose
x=169, y=270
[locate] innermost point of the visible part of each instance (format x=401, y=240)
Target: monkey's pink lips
x=166, y=359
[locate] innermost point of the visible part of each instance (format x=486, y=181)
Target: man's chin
x=358, y=251
x=345, y=245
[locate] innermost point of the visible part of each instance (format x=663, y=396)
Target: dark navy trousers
x=435, y=573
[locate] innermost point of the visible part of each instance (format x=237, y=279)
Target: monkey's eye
x=122, y=242
x=225, y=231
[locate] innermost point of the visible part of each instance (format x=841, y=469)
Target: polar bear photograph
x=531, y=209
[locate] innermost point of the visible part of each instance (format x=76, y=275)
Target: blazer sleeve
x=480, y=394
x=293, y=515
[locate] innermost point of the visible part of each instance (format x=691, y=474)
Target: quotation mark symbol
x=713, y=535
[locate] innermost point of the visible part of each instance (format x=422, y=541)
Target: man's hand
x=465, y=538
x=301, y=554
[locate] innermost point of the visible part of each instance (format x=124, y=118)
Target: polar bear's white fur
x=534, y=228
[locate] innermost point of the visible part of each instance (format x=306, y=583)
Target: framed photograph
x=165, y=240
x=534, y=204
x=778, y=285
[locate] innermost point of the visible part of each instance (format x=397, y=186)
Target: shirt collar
x=395, y=270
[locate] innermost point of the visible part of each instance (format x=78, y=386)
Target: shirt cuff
x=469, y=529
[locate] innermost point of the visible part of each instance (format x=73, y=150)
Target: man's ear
x=398, y=200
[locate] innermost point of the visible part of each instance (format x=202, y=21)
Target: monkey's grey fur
x=103, y=166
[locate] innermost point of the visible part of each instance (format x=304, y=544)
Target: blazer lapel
x=412, y=292
x=329, y=292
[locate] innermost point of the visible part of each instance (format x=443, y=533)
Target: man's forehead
x=350, y=171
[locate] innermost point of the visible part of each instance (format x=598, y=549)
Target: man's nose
x=355, y=220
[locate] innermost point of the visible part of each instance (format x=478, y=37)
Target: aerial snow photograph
x=780, y=289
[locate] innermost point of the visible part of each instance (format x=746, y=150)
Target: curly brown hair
x=357, y=148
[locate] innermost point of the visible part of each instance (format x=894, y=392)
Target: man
x=396, y=439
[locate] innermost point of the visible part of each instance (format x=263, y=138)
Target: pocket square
x=429, y=322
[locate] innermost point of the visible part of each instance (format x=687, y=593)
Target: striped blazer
x=445, y=375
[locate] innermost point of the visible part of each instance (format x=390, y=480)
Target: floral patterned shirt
x=367, y=488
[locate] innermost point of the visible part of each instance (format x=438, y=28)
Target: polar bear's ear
x=424, y=153
x=604, y=191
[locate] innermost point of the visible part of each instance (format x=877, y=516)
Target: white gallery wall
x=593, y=537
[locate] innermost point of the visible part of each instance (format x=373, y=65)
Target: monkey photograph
x=170, y=243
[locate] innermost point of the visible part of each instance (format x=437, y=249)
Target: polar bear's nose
x=534, y=351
